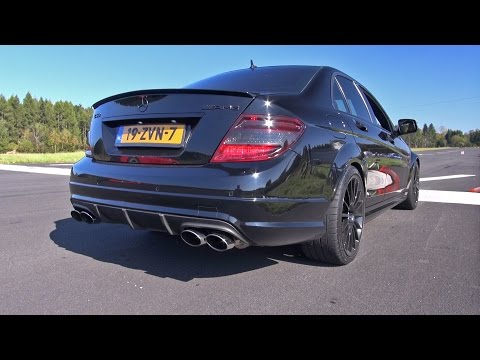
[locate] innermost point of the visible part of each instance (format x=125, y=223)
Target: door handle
x=361, y=126
x=387, y=137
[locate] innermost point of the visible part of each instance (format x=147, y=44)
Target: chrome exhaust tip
x=76, y=215
x=87, y=217
x=219, y=242
x=193, y=237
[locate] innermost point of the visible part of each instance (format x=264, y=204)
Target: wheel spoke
x=347, y=239
x=351, y=245
x=416, y=185
x=355, y=192
x=353, y=215
x=361, y=207
x=349, y=193
x=344, y=235
x=358, y=209
x=358, y=223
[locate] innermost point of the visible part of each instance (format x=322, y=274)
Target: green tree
x=83, y=117
x=5, y=113
x=450, y=134
x=431, y=140
x=440, y=140
x=69, y=142
x=4, y=136
x=458, y=140
x=3, y=107
x=38, y=125
x=54, y=140
x=15, y=117
x=38, y=136
x=474, y=137
x=58, y=114
x=31, y=114
x=425, y=130
x=64, y=113
x=25, y=144
x=47, y=116
x=414, y=140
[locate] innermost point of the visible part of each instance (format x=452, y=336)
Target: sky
x=433, y=84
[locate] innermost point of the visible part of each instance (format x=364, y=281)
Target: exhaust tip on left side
x=76, y=215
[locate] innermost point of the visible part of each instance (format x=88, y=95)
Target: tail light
x=88, y=152
x=258, y=138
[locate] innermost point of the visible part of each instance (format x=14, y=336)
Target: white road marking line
x=36, y=169
x=450, y=197
x=440, y=152
x=59, y=165
x=445, y=177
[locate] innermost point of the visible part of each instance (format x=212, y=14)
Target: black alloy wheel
x=344, y=223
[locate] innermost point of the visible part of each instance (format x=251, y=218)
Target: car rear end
x=197, y=163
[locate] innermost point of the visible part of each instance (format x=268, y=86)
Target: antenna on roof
x=252, y=65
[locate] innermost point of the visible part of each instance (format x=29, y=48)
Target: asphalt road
x=425, y=261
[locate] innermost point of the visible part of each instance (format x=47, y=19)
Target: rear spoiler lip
x=173, y=91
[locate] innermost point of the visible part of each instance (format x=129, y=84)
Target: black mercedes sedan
x=263, y=156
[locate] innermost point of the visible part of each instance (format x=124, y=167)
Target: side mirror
x=406, y=126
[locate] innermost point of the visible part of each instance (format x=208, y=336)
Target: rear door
x=377, y=148
x=398, y=153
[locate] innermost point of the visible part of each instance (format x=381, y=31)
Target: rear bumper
x=228, y=199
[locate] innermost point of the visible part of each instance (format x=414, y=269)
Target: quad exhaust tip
x=219, y=242
x=87, y=217
x=76, y=215
x=83, y=216
x=193, y=237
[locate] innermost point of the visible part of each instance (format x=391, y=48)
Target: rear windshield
x=292, y=79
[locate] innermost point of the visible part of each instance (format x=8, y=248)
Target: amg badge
x=221, y=107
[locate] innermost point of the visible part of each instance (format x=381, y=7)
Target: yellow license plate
x=151, y=135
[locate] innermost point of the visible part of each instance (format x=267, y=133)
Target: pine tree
x=3, y=107
x=31, y=112
x=4, y=136
x=14, y=122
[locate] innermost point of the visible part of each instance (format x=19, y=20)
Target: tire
x=411, y=201
x=344, y=223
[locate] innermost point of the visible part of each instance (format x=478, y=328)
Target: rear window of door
x=354, y=100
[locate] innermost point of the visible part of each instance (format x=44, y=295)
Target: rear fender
x=413, y=159
x=349, y=154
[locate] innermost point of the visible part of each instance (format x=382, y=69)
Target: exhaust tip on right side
x=219, y=242
x=88, y=218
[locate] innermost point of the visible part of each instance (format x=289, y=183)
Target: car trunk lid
x=164, y=127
